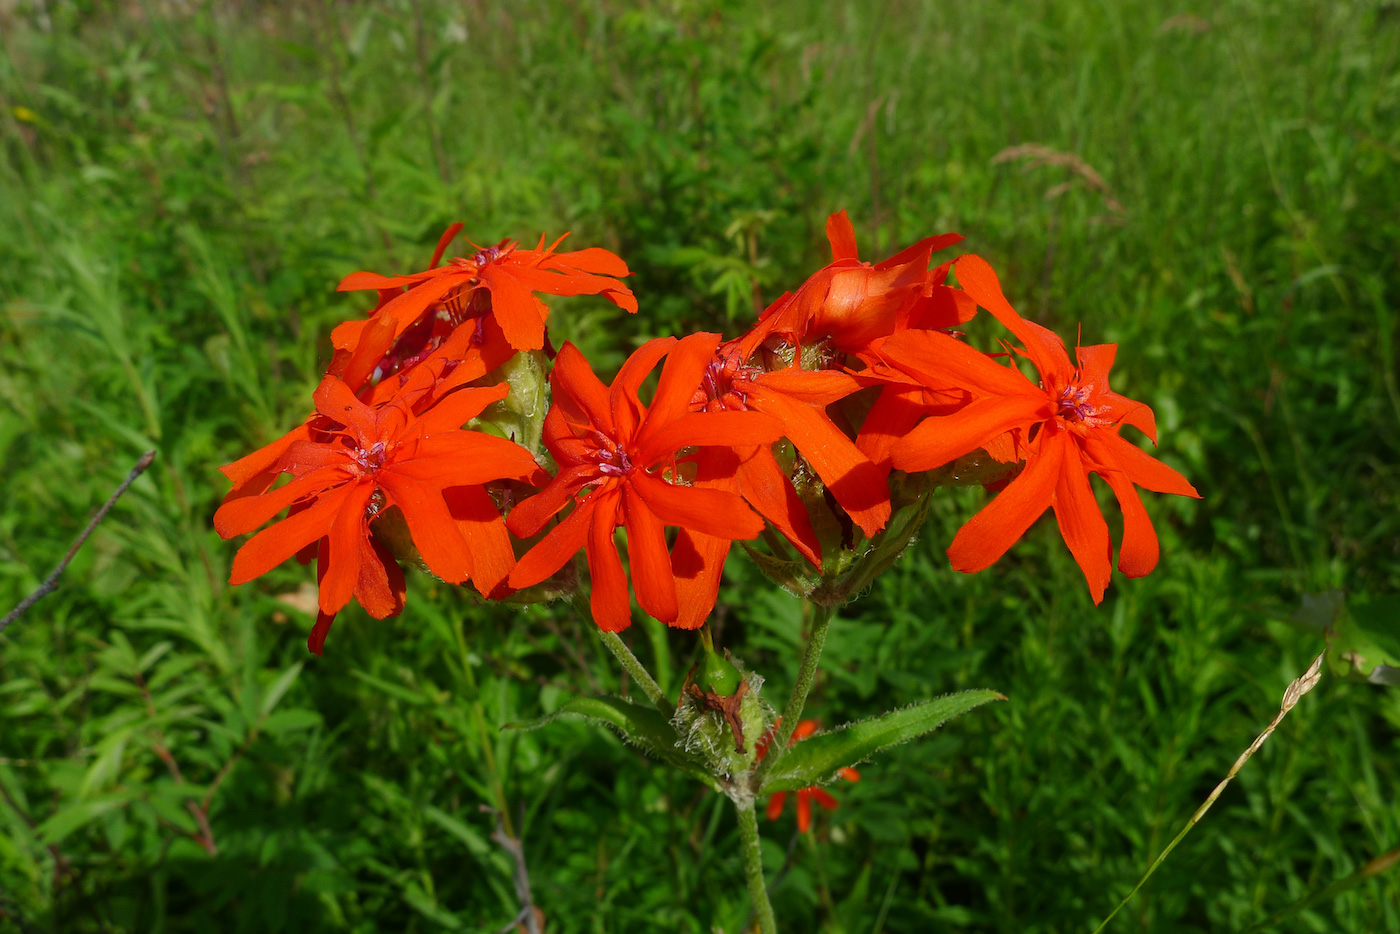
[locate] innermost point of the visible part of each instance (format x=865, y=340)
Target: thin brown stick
x=50, y=583
x=205, y=837
x=530, y=918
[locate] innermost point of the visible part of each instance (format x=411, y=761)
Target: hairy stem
x=753, y=866
x=629, y=662
x=821, y=619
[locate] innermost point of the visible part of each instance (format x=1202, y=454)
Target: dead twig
x=50, y=583
x=1035, y=155
x=205, y=837
x=530, y=919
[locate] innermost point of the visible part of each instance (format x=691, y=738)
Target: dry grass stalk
x=1035, y=156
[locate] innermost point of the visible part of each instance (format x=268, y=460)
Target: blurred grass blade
x=1299, y=687
x=816, y=760
x=1369, y=871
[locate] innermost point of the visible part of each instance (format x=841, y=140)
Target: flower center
x=488, y=255
x=1073, y=404
x=613, y=462
x=717, y=392
x=372, y=459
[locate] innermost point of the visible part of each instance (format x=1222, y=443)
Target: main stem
x=753, y=867
x=821, y=620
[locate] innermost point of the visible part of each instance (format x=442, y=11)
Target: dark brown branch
x=50, y=583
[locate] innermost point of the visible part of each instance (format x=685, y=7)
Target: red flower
x=359, y=460
x=507, y=273
x=798, y=398
x=457, y=358
x=616, y=454
x=854, y=304
x=1067, y=427
x=805, y=796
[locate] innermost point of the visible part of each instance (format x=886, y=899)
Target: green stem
x=753, y=867
x=821, y=620
x=626, y=659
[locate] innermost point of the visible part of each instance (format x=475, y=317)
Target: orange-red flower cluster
x=789, y=431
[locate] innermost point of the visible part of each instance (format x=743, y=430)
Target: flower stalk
x=806, y=675
x=629, y=662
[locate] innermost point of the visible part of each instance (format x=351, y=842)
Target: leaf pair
x=811, y=762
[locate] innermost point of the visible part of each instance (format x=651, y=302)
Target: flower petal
x=576, y=387
x=530, y=515
x=680, y=377
x=485, y=534
x=941, y=362
x=775, y=804
x=316, y=641
x=988, y=535
x=1111, y=450
x=858, y=485
x=335, y=401
x=814, y=387
x=697, y=561
x=711, y=512
x=515, y=308
x=623, y=402
x=554, y=550
x=247, y=513
x=444, y=242
x=1138, y=553
x=380, y=589
x=699, y=429
x=591, y=259
x=939, y=440
x=455, y=410
x=466, y=458
x=430, y=525
x=768, y=490
x=348, y=538
x=842, y=235
x=652, y=578
x=612, y=610
x=1043, y=346
x=1081, y=523
x=278, y=542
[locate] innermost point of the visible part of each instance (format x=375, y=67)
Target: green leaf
x=287, y=721
x=108, y=764
x=465, y=834
x=407, y=695
x=69, y=819
x=642, y=725
x=278, y=689
x=815, y=760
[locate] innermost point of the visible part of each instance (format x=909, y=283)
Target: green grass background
x=182, y=185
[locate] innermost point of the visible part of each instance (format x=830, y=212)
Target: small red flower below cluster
x=805, y=796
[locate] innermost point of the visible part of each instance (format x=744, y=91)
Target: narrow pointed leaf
x=815, y=760
x=643, y=726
